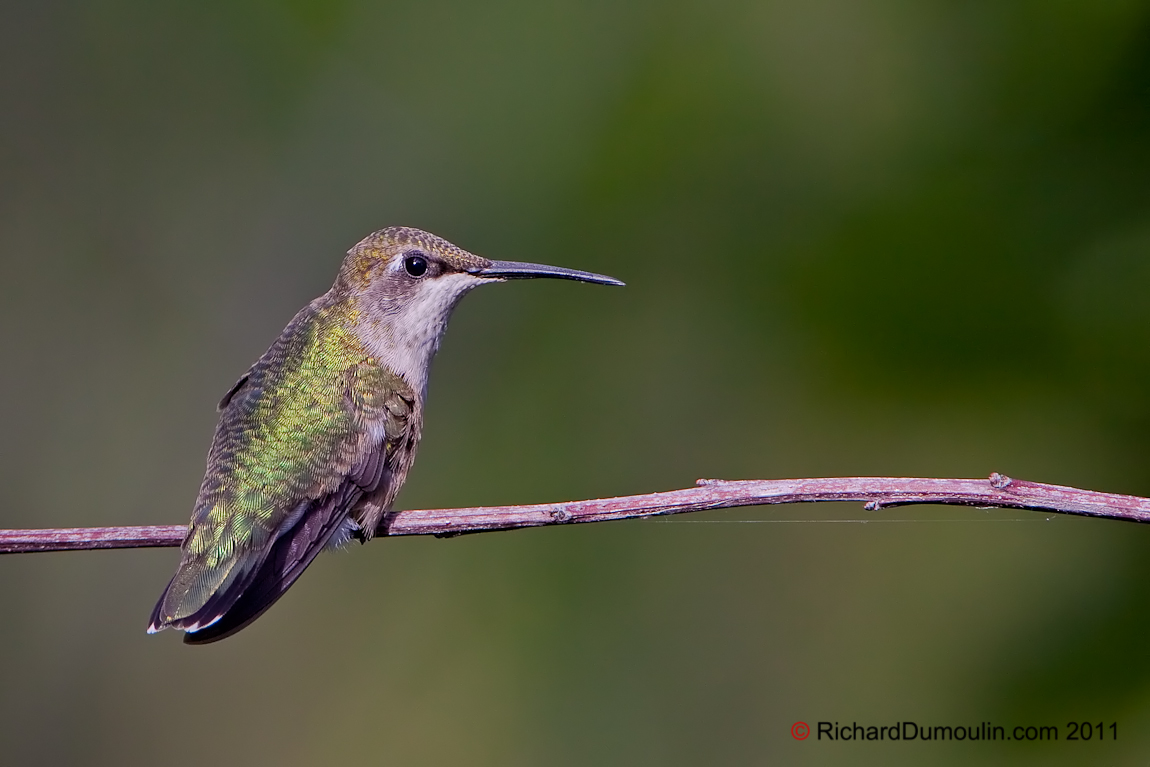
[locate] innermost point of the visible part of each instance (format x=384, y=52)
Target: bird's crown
x=401, y=242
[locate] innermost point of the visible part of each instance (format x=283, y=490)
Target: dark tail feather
x=218, y=604
x=289, y=556
x=156, y=619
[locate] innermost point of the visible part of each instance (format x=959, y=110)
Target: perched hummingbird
x=316, y=439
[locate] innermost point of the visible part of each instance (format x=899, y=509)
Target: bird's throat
x=405, y=336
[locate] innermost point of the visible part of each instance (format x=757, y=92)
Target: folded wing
x=303, y=438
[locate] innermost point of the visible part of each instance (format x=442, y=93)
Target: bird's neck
x=405, y=337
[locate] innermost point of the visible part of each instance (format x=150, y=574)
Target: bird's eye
x=416, y=266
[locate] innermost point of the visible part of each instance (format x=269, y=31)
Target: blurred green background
x=890, y=237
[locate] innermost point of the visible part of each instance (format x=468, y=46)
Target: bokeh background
x=883, y=237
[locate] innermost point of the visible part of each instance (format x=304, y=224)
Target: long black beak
x=517, y=270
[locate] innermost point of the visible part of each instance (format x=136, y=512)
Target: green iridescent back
x=296, y=426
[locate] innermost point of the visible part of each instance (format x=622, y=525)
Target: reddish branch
x=877, y=492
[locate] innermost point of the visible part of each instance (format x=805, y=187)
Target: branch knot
x=1000, y=481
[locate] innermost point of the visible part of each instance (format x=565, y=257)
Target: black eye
x=416, y=266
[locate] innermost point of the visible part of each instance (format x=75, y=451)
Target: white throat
x=407, y=339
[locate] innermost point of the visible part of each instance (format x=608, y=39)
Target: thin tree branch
x=877, y=492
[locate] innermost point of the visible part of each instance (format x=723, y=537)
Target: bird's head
x=407, y=281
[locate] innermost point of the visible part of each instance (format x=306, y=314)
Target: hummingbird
x=315, y=440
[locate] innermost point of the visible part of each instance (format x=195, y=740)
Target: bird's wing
x=287, y=558
x=302, y=438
